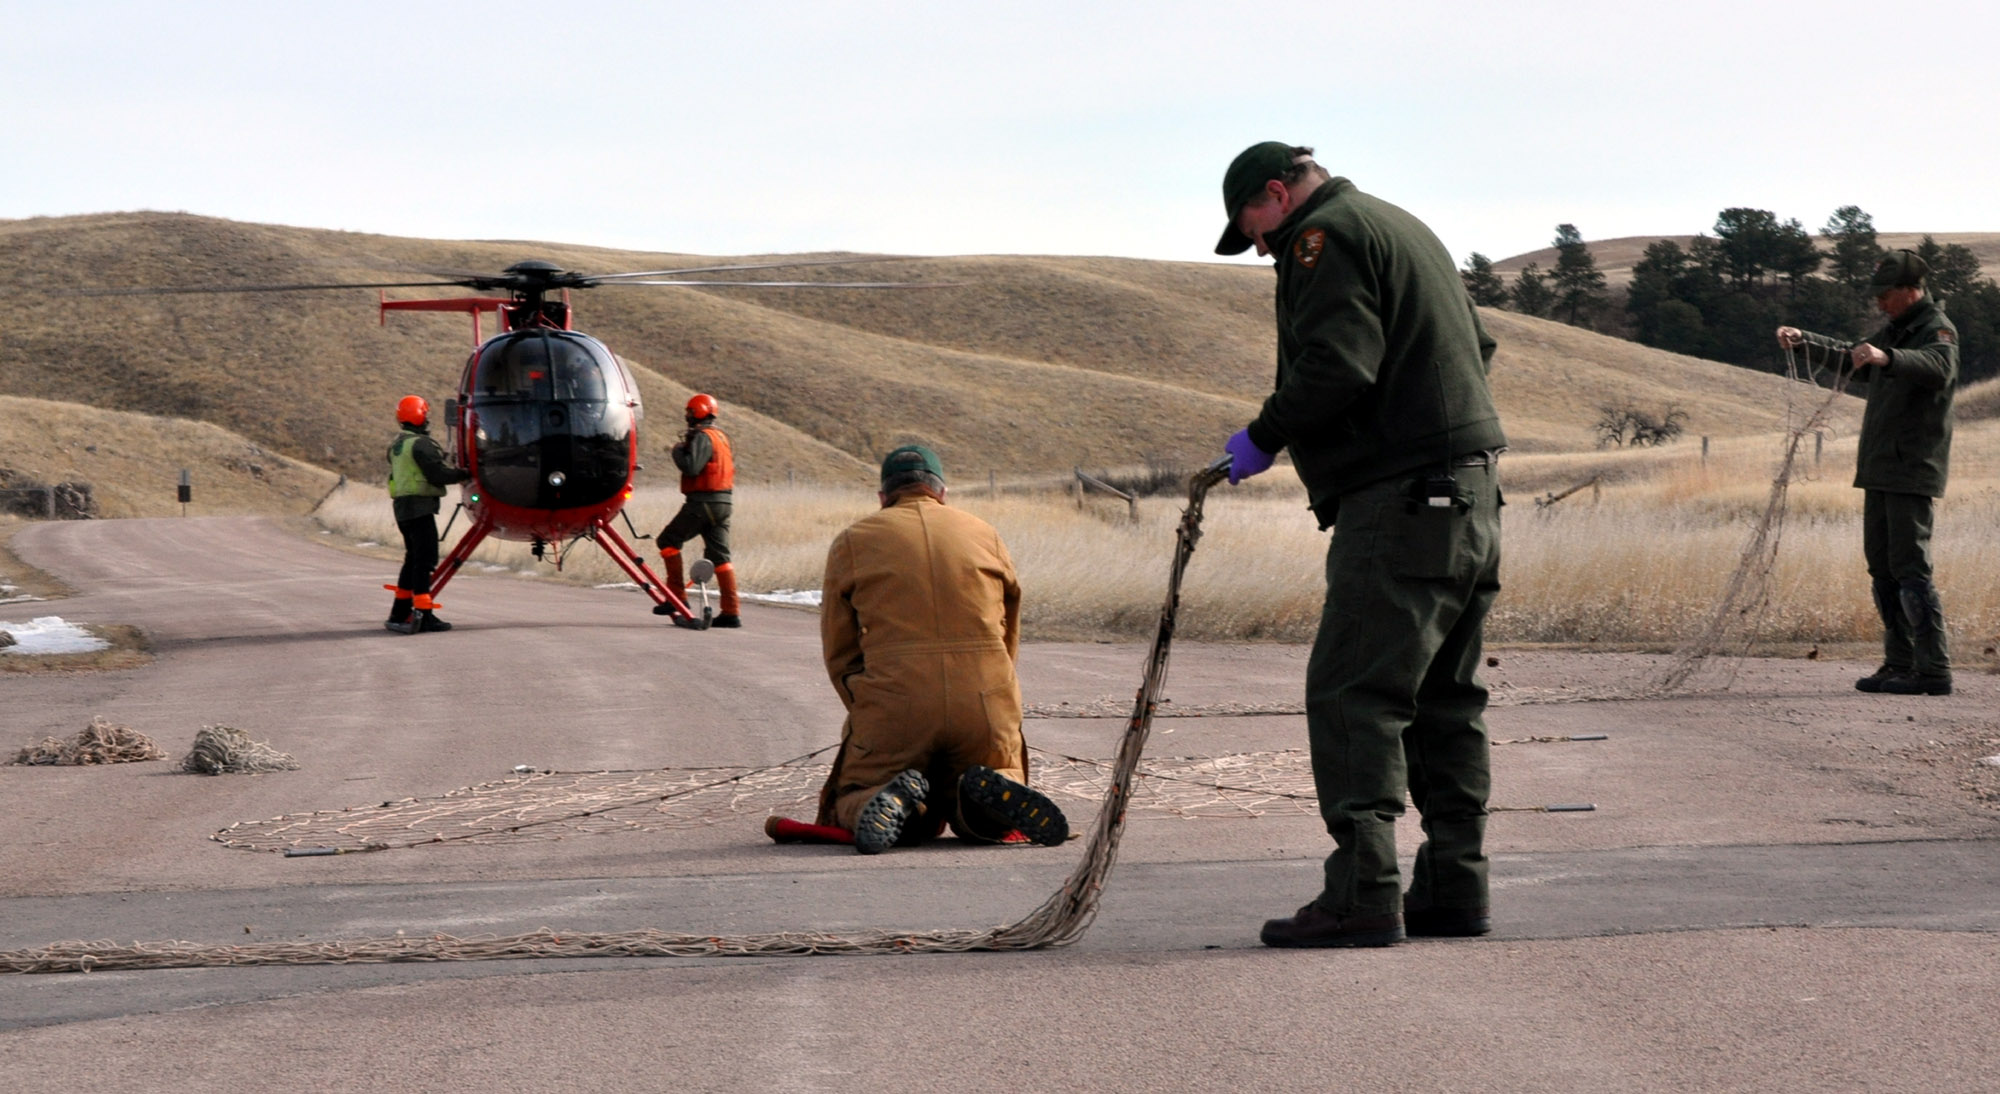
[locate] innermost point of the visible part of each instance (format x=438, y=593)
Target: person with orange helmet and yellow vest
x=418, y=475
x=708, y=480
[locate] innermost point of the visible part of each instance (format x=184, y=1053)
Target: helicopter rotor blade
x=704, y=283
x=157, y=291
x=614, y=277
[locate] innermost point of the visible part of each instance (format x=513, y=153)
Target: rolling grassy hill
x=1021, y=365
x=1616, y=257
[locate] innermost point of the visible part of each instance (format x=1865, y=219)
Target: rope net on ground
x=100, y=742
x=1061, y=919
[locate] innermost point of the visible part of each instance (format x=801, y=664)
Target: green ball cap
x=911, y=457
x=1245, y=179
x=1898, y=270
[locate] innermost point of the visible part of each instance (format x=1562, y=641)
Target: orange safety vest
x=720, y=474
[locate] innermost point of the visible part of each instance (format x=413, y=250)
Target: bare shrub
x=1625, y=423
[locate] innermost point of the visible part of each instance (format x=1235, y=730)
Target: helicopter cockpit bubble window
x=540, y=364
x=552, y=420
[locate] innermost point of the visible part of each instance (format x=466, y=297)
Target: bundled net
x=1061, y=919
x=221, y=750
x=100, y=742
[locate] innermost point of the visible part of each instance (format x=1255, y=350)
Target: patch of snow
x=51, y=634
x=618, y=585
x=489, y=567
x=804, y=597
x=1990, y=761
x=368, y=543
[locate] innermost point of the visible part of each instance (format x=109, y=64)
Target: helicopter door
x=554, y=424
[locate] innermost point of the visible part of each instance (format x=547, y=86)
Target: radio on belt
x=1440, y=490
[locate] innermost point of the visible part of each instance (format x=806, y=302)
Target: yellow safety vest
x=406, y=479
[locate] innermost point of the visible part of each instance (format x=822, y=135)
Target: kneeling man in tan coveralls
x=920, y=623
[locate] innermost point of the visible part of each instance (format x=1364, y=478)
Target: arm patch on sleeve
x=1311, y=242
x=1945, y=334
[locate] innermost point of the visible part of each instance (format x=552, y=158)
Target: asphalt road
x=1784, y=884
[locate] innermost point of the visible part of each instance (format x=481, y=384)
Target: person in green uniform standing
x=1381, y=398
x=418, y=475
x=1909, y=368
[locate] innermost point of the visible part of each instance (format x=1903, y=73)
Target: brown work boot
x=1314, y=927
x=1446, y=922
x=881, y=821
x=1014, y=805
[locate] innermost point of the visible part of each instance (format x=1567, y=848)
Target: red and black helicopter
x=547, y=417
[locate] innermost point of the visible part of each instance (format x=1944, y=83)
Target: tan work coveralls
x=920, y=624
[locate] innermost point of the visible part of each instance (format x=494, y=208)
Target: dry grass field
x=1017, y=367
x=1638, y=563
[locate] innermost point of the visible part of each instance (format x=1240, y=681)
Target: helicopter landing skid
x=635, y=568
x=699, y=575
x=614, y=545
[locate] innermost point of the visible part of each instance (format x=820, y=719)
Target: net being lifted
x=1733, y=622
x=1060, y=920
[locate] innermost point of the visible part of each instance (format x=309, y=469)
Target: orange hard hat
x=413, y=410
x=701, y=406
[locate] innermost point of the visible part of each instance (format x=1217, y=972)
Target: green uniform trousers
x=704, y=515
x=1394, y=703
x=1896, y=541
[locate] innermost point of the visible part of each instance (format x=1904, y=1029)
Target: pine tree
x=1532, y=295
x=1486, y=287
x=1855, y=252
x=1579, y=284
x=1954, y=268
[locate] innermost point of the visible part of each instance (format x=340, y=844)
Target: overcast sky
x=737, y=127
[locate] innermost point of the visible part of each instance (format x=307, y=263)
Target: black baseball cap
x=1245, y=179
x=1899, y=270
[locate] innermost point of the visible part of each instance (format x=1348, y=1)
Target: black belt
x=1488, y=458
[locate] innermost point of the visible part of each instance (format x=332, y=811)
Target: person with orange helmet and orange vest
x=418, y=475
x=708, y=479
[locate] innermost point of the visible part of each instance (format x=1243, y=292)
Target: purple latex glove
x=1245, y=458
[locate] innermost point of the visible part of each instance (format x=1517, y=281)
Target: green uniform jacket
x=1906, y=431
x=430, y=461
x=1382, y=359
